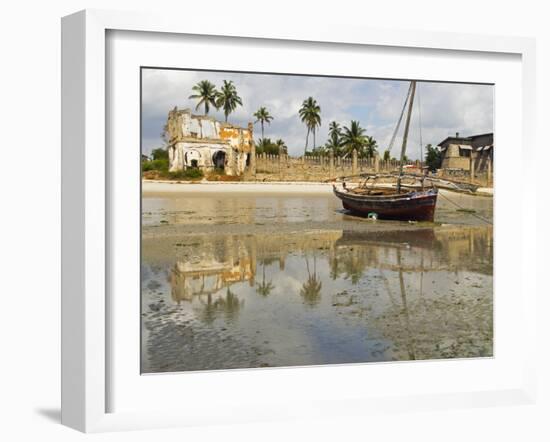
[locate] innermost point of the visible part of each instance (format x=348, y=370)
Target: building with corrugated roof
x=465, y=152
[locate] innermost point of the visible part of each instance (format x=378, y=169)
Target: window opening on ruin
x=219, y=159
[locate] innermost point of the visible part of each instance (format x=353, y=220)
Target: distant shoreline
x=310, y=187
x=157, y=186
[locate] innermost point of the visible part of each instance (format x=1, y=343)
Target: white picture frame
x=86, y=201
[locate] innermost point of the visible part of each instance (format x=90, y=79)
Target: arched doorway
x=218, y=159
x=192, y=159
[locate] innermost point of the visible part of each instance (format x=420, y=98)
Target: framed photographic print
x=291, y=223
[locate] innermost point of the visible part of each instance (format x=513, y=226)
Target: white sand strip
x=149, y=187
x=217, y=187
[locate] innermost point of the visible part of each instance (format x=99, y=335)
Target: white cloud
x=445, y=108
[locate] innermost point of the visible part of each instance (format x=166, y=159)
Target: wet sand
x=265, y=277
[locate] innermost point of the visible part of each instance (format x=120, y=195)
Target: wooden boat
x=406, y=206
x=392, y=203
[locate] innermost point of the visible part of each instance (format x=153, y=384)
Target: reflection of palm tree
x=264, y=288
x=231, y=305
x=209, y=312
x=353, y=264
x=311, y=289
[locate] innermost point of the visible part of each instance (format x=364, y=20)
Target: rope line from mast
x=396, y=130
x=464, y=208
x=420, y=127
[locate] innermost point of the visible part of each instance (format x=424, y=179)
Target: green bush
x=188, y=174
x=159, y=154
x=267, y=146
x=433, y=158
x=161, y=165
x=146, y=166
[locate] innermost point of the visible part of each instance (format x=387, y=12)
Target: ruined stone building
x=199, y=141
x=465, y=152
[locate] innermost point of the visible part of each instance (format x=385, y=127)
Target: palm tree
x=228, y=99
x=262, y=116
x=371, y=146
x=319, y=151
x=206, y=94
x=353, y=138
x=310, y=115
x=334, y=142
x=311, y=289
x=281, y=147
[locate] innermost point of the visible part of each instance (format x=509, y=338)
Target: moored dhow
x=392, y=203
x=387, y=204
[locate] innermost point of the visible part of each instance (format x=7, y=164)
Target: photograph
x=304, y=220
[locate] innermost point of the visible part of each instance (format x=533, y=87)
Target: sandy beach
x=149, y=186
x=158, y=186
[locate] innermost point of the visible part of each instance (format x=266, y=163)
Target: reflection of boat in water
x=389, y=203
x=468, y=249
x=421, y=238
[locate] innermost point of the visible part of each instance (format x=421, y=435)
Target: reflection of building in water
x=220, y=261
x=228, y=260
x=427, y=249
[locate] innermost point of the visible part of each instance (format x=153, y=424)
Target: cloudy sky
x=442, y=108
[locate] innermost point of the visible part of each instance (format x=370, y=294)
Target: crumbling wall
x=199, y=137
x=181, y=154
x=239, y=138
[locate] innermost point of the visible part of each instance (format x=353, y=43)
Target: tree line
x=342, y=140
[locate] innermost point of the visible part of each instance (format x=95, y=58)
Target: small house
x=465, y=152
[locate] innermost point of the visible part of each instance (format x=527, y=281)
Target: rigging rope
x=464, y=208
x=420, y=126
x=400, y=118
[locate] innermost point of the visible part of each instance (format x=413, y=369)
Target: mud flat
x=256, y=206
x=248, y=275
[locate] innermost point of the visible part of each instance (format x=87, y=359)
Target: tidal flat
x=269, y=279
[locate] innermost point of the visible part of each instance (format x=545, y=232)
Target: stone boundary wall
x=483, y=178
x=319, y=168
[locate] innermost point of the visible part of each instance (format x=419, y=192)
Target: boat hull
x=412, y=206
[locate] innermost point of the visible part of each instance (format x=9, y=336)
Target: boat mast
x=406, y=135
